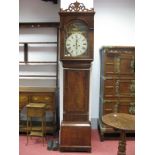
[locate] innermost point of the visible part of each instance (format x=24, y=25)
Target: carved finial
x=77, y=7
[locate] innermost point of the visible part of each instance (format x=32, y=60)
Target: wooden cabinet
x=37, y=95
x=117, y=83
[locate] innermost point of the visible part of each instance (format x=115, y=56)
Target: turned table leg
x=122, y=143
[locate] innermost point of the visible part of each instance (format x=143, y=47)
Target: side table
x=36, y=110
x=123, y=122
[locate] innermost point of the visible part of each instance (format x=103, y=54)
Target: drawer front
x=122, y=88
x=23, y=100
x=37, y=97
x=120, y=62
x=35, y=112
x=124, y=106
x=41, y=98
x=48, y=99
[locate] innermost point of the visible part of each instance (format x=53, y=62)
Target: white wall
x=114, y=25
x=114, y=22
x=38, y=11
x=65, y=3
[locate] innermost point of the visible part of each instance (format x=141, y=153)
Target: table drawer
x=41, y=98
x=35, y=112
x=48, y=99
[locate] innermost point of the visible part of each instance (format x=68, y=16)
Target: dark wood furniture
x=36, y=110
x=123, y=122
x=38, y=95
x=76, y=54
x=78, y=133
x=117, y=84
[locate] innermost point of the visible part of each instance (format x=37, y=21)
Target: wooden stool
x=36, y=110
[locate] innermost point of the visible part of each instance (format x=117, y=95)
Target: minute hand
x=76, y=42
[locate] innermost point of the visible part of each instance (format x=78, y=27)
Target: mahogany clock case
x=76, y=21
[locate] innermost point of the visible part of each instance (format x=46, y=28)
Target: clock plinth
x=75, y=136
x=76, y=54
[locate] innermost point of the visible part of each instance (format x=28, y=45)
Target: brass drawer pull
x=35, y=98
x=47, y=98
x=23, y=98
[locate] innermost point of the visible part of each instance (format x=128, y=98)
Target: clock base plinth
x=75, y=136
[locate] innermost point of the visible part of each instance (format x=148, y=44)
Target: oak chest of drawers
x=117, y=83
x=37, y=95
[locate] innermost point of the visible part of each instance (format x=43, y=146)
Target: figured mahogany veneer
x=76, y=136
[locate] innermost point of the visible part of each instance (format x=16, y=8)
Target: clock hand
x=76, y=42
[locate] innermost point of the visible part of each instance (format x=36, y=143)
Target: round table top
x=120, y=121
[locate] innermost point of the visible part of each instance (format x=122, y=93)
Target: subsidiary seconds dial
x=76, y=44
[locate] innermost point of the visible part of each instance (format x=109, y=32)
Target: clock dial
x=76, y=40
x=76, y=44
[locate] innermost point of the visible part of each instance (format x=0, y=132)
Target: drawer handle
x=46, y=98
x=117, y=64
x=132, y=86
x=132, y=108
x=115, y=108
x=23, y=98
x=132, y=65
x=108, y=110
x=35, y=98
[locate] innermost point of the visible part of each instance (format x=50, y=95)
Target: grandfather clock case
x=76, y=54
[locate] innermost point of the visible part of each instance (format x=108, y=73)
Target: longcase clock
x=76, y=54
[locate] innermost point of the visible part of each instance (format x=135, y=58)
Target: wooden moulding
x=36, y=89
x=38, y=24
x=75, y=136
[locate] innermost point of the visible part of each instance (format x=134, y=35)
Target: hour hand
x=76, y=42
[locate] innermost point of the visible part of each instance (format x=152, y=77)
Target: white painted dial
x=76, y=44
